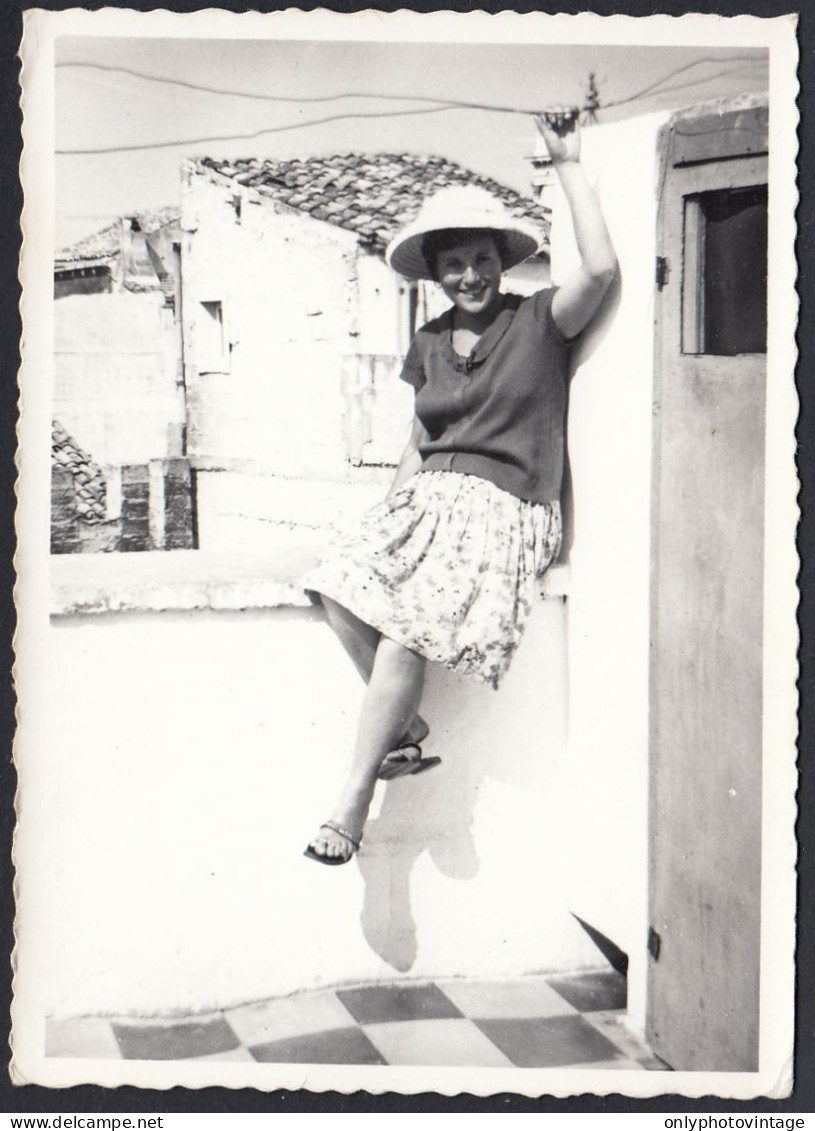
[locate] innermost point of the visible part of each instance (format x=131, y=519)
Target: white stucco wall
x=610, y=441
x=253, y=512
x=115, y=376
x=313, y=329
x=286, y=285
x=193, y=756
x=300, y=299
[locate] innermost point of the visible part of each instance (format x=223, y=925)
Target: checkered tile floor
x=534, y=1022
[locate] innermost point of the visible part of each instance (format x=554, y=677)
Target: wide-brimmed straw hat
x=465, y=207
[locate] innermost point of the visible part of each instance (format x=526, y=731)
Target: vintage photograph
x=407, y=505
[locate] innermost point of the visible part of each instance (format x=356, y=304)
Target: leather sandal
x=399, y=765
x=333, y=860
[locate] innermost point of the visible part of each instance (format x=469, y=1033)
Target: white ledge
x=198, y=579
x=178, y=579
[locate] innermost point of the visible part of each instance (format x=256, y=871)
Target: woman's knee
x=400, y=659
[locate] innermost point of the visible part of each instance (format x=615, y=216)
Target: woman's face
x=470, y=274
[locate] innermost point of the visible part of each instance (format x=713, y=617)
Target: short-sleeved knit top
x=500, y=412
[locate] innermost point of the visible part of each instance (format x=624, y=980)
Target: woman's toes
x=330, y=845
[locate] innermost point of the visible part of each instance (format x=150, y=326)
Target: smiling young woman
x=444, y=569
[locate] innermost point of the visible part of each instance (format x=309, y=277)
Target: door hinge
x=654, y=943
x=662, y=272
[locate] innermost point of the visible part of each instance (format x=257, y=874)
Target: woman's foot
x=410, y=747
x=338, y=840
x=405, y=763
x=334, y=844
x=407, y=757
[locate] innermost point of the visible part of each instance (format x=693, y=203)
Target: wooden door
x=706, y=601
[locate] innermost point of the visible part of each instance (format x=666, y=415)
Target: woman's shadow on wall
x=483, y=737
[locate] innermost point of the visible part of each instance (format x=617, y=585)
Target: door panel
x=707, y=588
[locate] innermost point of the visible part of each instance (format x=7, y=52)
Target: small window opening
x=211, y=345
x=724, y=296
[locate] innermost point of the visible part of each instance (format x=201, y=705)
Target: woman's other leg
x=361, y=641
x=357, y=638
x=391, y=701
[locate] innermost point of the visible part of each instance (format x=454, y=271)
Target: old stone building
x=294, y=332
x=116, y=385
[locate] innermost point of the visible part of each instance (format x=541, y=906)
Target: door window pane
x=726, y=267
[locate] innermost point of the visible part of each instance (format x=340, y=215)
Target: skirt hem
x=452, y=664
x=446, y=567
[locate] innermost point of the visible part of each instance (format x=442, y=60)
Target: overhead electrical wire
x=247, y=137
x=440, y=104
x=452, y=102
x=685, y=85
x=653, y=87
x=202, y=88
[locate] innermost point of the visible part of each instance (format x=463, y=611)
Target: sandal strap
x=335, y=828
x=403, y=754
x=405, y=746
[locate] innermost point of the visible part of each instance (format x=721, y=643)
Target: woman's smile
x=470, y=275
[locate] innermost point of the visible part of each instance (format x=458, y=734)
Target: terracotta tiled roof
x=102, y=247
x=371, y=194
x=92, y=251
x=88, y=476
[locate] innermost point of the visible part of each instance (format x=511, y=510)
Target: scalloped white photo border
x=778, y=35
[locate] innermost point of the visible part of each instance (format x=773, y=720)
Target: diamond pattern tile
x=532, y=997
x=548, y=1042
x=603, y=989
x=81, y=1037
x=397, y=1003
x=338, y=1046
x=239, y=1054
x=564, y=1021
x=288, y=1017
x=178, y=1041
x=612, y=1024
x=452, y=1041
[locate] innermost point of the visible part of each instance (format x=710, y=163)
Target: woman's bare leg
x=358, y=639
x=391, y=701
x=361, y=641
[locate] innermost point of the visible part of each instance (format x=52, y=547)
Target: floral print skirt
x=447, y=567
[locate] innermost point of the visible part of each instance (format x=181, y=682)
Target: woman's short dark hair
x=435, y=243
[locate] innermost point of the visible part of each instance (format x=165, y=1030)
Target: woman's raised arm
x=580, y=296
